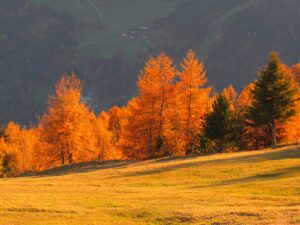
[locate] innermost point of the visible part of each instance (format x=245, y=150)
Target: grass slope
x=240, y=188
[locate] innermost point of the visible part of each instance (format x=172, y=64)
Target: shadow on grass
x=267, y=156
x=80, y=168
x=277, y=174
x=94, y=166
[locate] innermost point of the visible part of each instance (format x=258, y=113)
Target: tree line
x=175, y=114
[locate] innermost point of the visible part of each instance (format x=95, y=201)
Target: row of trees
x=175, y=114
x=266, y=110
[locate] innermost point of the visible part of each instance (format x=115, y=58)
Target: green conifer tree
x=218, y=124
x=274, y=97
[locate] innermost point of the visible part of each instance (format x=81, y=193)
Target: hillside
x=235, y=36
x=107, y=42
x=250, y=187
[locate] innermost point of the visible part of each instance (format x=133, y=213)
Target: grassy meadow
x=238, y=188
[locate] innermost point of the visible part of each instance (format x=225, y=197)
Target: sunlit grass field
x=239, y=188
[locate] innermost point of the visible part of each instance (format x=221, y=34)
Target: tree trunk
x=161, y=115
x=188, y=132
x=69, y=155
x=151, y=130
x=70, y=161
x=274, y=133
x=62, y=157
x=221, y=147
x=160, y=131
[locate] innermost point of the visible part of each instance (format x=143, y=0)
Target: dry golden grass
x=240, y=188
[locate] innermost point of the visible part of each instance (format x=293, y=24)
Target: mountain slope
x=234, y=37
x=249, y=188
x=107, y=42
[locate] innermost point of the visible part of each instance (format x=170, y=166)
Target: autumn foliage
x=291, y=130
x=167, y=118
x=67, y=126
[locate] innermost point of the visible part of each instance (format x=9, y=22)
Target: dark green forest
x=36, y=46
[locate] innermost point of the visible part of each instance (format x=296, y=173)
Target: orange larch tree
x=194, y=100
x=68, y=124
x=245, y=98
x=104, y=137
x=148, y=114
x=4, y=169
x=20, y=148
x=231, y=94
x=116, y=125
x=16, y=147
x=291, y=130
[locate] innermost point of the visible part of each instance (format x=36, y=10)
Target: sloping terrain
x=241, y=188
x=106, y=42
x=235, y=37
x=112, y=20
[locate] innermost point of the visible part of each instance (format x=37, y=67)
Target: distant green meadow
x=111, y=19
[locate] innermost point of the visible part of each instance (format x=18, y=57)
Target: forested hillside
x=106, y=42
x=36, y=46
x=229, y=34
